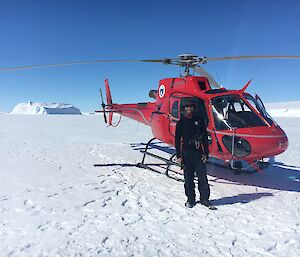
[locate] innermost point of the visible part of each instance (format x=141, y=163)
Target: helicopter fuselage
x=238, y=125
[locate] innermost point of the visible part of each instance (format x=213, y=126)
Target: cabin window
x=230, y=111
x=175, y=109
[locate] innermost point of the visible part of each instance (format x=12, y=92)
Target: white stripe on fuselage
x=242, y=135
x=134, y=109
x=247, y=135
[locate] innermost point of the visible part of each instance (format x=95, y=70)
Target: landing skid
x=238, y=167
x=166, y=162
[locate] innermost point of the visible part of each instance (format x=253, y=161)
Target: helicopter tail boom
x=140, y=112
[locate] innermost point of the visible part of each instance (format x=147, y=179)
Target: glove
x=204, y=158
x=179, y=160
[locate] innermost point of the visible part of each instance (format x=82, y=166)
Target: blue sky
x=37, y=32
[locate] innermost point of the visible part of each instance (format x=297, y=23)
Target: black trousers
x=193, y=164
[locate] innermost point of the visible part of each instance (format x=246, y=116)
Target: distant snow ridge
x=285, y=109
x=45, y=108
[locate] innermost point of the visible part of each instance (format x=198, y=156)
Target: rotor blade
x=36, y=66
x=209, y=77
x=251, y=57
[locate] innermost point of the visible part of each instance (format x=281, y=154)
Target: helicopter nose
x=283, y=143
x=265, y=142
x=275, y=143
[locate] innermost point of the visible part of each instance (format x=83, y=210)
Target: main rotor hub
x=188, y=61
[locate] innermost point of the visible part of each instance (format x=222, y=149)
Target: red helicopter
x=240, y=130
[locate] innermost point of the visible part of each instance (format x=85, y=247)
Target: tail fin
x=109, y=102
x=108, y=94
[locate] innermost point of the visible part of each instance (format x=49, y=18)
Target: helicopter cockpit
x=231, y=111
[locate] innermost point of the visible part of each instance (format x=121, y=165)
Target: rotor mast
x=188, y=61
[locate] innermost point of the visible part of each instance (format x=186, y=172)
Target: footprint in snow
x=89, y=202
x=50, y=196
x=28, y=202
x=4, y=198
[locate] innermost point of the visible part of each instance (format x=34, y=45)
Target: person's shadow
x=240, y=198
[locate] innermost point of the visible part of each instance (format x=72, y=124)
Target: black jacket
x=191, y=130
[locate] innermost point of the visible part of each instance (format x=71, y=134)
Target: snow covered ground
x=285, y=109
x=68, y=187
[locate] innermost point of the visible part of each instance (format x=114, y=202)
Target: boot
x=206, y=203
x=189, y=204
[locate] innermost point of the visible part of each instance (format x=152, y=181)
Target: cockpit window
x=231, y=111
x=260, y=108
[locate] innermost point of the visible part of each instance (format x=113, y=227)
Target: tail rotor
x=103, y=106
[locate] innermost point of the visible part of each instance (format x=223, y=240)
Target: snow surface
x=45, y=108
x=69, y=187
x=284, y=109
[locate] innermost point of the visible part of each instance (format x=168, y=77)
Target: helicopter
x=241, y=133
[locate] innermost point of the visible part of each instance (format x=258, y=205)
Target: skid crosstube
x=168, y=162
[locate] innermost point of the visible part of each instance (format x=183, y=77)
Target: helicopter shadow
x=157, y=169
x=274, y=177
x=157, y=145
x=278, y=176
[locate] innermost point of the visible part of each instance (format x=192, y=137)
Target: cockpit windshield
x=231, y=111
x=258, y=105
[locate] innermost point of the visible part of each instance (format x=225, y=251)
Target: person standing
x=192, y=152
